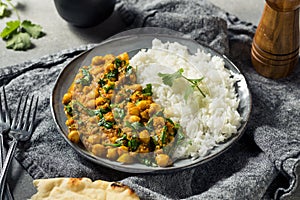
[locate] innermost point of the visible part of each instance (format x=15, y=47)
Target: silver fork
x=4, y=128
x=21, y=131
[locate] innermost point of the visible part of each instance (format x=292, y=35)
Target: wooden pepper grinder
x=275, y=46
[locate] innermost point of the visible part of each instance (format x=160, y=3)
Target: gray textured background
x=67, y=36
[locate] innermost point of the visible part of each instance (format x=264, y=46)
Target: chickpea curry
x=116, y=118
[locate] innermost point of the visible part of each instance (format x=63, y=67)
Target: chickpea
x=105, y=106
x=79, y=87
x=93, y=120
x=119, y=98
x=124, y=56
x=67, y=98
x=108, y=95
x=94, y=139
x=135, y=96
x=144, y=104
x=100, y=101
x=98, y=60
x=154, y=108
x=134, y=118
x=122, y=150
x=96, y=71
x=112, y=153
x=130, y=105
x=143, y=149
x=158, y=122
x=113, y=139
x=99, y=150
x=93, y=94
x=70, y=121
x=135, y=87
x=126, y=158
x=132, y=77
x=86, y=89
x=110, y=67
x=134, y=111
x=163, y=160
x=145, y=114
x=144, y=136
x=127, y=129
x=91, y=104
x=73, y=136
x=109, y=117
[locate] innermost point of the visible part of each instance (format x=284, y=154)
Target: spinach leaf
x=105, y=123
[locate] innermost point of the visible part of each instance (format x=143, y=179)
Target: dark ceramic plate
x=133, y=43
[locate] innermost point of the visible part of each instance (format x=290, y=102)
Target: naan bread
x=81, y=189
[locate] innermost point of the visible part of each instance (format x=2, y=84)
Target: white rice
x=206, y=121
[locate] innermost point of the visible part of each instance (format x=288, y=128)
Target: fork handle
x=5, y=169
x=2, y=155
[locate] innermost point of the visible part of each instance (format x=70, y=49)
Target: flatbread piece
x=81, y=188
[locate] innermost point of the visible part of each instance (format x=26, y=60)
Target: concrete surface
x=60, y=35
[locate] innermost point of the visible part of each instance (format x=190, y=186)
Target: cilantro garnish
x=105, y=123
x=168, y=79
x=18, y=33
x=69, y=109
x=4, y=11
x=119, y=62
x=147, y=91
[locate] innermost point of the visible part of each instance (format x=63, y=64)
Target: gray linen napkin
x=261, y=165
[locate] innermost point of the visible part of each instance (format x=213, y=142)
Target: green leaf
x=147, y=91
x=19, y=41
x=105, y=123
x=107, y=87
x=133, y=144
x=102, y=82
x=112, y=74
x=69, y=109
x=168, y=79
x=163, y=135
x=34, y=30
x=188, y=91
x=10, y=29
x=196, y=81
x=3, y=8
x=119, y=62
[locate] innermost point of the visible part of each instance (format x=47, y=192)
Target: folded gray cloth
x=261, y=165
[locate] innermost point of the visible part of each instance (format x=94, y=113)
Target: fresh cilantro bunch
x=18, y=33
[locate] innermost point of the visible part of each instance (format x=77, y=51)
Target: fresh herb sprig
x=168, y=79
x=17, y=33
x=4, y=11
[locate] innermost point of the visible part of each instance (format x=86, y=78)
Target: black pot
x=84, y=13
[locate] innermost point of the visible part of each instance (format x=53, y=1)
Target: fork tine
x=6, y=110
x=33, y=116
x=13, y=125
x=1, y=111
x=22, y=114
x=28, y=114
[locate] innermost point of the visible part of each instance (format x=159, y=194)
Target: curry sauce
x=116, y=118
